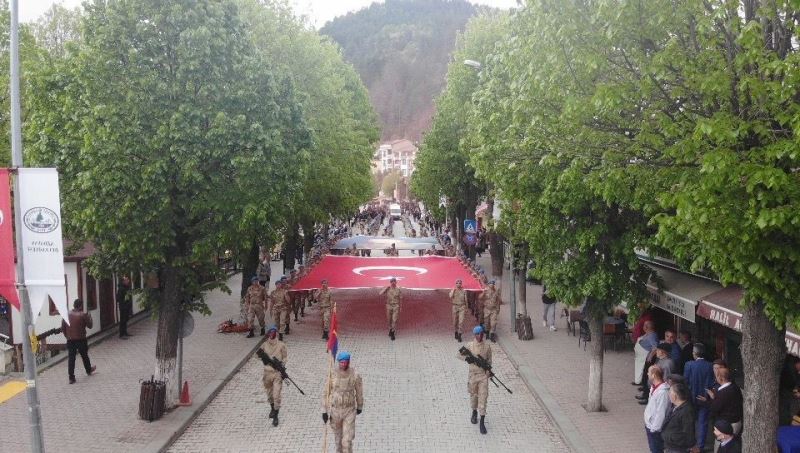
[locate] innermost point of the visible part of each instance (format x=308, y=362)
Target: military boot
x=455, y=335
x=483, y=426
x=272, y=411
x=324, y=334
x=459, y=338
x=391, y=334
x=280, y=336
x=287, y=328
x=275, y=420
x=474, y=418
x=262, y=331
x=493, y=337
x=250, y=334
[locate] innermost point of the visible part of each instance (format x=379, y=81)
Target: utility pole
x=37, y=438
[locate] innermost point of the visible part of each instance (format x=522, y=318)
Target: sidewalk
x=100, y=413
x=557, y=372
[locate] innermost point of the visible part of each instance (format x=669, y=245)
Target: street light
x=473, y=64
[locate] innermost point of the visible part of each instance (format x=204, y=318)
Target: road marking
x=10, y=390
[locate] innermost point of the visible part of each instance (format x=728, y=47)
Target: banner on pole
x=8, y=287
x=42, y=245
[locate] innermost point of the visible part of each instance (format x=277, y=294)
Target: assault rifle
x=276, y=365
x=483, y=364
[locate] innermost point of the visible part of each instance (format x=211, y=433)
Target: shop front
x=676, y=302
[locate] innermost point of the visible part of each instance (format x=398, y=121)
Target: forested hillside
x=401, y=49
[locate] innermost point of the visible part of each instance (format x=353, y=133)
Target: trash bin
x=151, y=399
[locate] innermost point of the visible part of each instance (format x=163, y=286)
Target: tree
x=541, y=141
x=442, y=165
x=57, y=27
x=163, y=126
x=336, y=105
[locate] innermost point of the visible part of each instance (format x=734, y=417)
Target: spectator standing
x=549, y=314
x=125, y=303
x=644, y=345
x=678, y=430
x=675, y=350
x=685, y=343
x=699, y=376
x=728, y=441
x=655, y=413
x=75, y=333
x=726, y=402
x=264, y=270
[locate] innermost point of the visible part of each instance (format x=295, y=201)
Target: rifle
x=483, y=364
x=278, y=366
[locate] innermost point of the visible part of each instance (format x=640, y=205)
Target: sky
x=318, y=11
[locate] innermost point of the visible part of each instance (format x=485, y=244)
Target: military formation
x=343, y=397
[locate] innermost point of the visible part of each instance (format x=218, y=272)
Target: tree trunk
x=167, y=333
x=594, y=402
x=495, y=242
x=763, y=352
x=249, y=266
x=308, y=238
x=290, y=248
x=522, y=283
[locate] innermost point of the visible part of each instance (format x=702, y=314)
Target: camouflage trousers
x=273, y=384
x=478, y=387
x=343, y=423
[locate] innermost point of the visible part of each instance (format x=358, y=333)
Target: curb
x=185, y=417
x=576, y=442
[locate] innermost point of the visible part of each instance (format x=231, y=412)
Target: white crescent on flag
x=362, y=270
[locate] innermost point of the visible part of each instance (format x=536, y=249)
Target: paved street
x=100, y=413
x=414, y=389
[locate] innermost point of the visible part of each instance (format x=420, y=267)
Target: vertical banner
x=8, y=287
x=42, y=246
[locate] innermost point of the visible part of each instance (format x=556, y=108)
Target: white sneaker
x=553, y=328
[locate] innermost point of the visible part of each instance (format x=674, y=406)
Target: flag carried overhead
x=333, y=339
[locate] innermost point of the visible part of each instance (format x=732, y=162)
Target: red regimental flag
x=333, y=338
x=7, y=272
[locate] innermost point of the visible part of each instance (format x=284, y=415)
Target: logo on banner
x=40, y=220
x=386, y=276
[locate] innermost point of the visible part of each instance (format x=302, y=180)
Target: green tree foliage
x=164, y=126
x=442, y=165
x=344, y=126
x=400, y=48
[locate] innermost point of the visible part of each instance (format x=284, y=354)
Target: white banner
x=42, y=246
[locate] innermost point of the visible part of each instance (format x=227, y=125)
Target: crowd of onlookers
x=685, y=394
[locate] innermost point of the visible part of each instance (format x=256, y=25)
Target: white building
x=396, y=155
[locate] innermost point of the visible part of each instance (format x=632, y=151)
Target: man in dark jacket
x=678, y=430
x=125, y=303
x=728, y=441
x=75, y=333
x=726, y=403
x=699, y=374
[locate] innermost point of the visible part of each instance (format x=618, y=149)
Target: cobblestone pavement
x=100, y=412
x=414, y=388
x=562, y=368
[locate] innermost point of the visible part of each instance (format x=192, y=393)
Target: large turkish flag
x=353, y=272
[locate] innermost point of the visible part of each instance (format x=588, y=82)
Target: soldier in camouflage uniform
x=343, y=399
x=323, y=297
x=281, y=307
x=491, y=308
x=255, y=301
x=478, y=380
x=273, y=382
x=458, y=297
x=393, y=298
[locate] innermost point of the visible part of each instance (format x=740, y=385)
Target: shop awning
x=354, y=272
x=380, y=243
x=722, y=307
x=681, y=292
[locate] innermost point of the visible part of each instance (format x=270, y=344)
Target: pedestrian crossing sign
x=470, y=226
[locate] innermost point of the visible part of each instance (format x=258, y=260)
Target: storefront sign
x=733, y=320
x=42, y=247
x=672, y=303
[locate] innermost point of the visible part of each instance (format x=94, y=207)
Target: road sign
x=470, y=239
x=187, y=324
x=470, y=226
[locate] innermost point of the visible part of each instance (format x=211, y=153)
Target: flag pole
x=29, y=362
x=328, y=387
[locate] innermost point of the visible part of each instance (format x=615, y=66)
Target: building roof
x=74, y=252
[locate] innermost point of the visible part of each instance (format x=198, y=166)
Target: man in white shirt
x=658, y=405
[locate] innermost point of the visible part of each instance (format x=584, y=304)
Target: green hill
x=401, y=49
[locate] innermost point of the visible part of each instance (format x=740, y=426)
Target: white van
x=395, y=212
